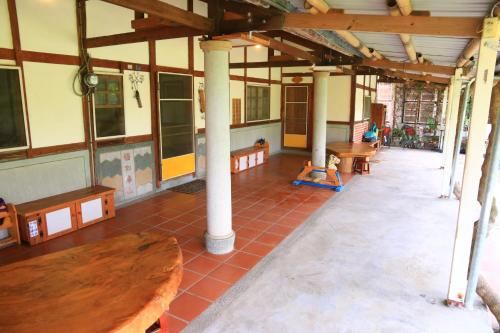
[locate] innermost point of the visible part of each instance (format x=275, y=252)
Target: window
x=258, y=103
x=367, y=107
x=420, y=105
x=109, y=113
x=12, y=118
x=176, y=115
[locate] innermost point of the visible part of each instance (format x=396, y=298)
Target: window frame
x=25, y=114
x=193, y=116
x=104, y=138
x=306, y=102
x=419, y=101
x=246, y=102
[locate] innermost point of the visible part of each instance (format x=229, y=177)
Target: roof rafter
x=272, y=44
x=168, y=12
x=141, y=36
x=465, y=27
x=408, y=66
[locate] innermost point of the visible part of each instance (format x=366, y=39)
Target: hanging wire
x=85, y=67
x=493, y=8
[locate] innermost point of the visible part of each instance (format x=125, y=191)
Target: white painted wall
x=137, y=120
x=48, y=26
x=55, y=112
x=339, y=98
x=5, y=34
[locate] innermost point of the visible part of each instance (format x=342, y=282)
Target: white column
x=219, y=238
x=451, y=130
x=319, y=116
x=444, y=115
x=473, y=160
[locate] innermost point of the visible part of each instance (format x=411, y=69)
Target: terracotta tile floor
x=266, y=209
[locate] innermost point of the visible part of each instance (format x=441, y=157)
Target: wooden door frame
x=310, y=119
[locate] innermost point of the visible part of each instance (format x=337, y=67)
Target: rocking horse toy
x=310, y=175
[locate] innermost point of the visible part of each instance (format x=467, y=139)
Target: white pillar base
x=220, y=245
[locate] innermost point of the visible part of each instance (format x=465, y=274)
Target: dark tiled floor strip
x=266, y=209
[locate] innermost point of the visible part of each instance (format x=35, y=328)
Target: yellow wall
x=98, y=24
x=137, y=120
x=237, y=55
x=55, y=112
x=255, y=54
x=199, y=118
x=172, y=52
x=275, y=101
x=237, y=89
x=48, y=26
x=5, y=35
x=358, y=109
x=339, y=98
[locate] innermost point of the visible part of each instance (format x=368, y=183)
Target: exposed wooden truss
x=416, y=77
x=141, y=36
x=168, y=12
x=427, y=68
x=272, y=43
x=265, y=64
x=466, y=27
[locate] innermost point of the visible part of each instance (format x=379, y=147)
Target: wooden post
x=451, y=130
x=473, y=160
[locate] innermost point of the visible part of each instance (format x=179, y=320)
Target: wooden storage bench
x=51, y=217
x=250, y=157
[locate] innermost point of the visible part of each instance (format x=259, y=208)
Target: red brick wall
x=358, y=131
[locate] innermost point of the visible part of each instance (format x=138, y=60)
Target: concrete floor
x=374, y=259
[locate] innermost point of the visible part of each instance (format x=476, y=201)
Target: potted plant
x=397, y=134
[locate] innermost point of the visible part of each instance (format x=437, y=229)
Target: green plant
x=398, y=133
x=431, y=125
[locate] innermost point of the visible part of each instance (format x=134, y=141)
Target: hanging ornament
x=135, y=79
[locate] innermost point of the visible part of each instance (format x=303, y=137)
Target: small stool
x=361, y=165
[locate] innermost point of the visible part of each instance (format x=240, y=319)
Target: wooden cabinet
x=51, y=217
x=247, y=158
x=378, y=115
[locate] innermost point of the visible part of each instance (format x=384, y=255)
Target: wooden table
x=346, y=151
x=123, y=284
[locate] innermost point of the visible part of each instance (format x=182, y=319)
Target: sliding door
x=296, y=106
x=176, y=125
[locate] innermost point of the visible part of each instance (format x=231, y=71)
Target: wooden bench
x=54, y=216
x=122, y=285
x=347, y=151
x=246, y=158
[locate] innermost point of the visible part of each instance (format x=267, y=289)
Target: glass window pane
x=176, y=118
x=258, y=103
x=109, y=112
x=109, y=121
x=174, y=86
x=410, y=112
x=12, y=130
x=427, y=110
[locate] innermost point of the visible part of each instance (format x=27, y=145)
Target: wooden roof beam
x=265, y=64
x=271, y=43
x=151, y=22
x=168, y=12
x=416, y=77
x=408, y=66
x=465, y=27
x=141, y=36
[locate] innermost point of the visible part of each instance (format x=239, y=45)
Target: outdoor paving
x=266, y=209
x=375, y=258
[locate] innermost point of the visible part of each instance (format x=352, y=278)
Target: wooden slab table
x=346, y=151
x=123, y=284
